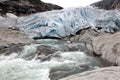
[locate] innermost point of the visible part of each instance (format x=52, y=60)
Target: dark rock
x=110, y=73
x=7, y=50
x=107, y=4
x=61, y=71
x=46, y=49
x=24, y=7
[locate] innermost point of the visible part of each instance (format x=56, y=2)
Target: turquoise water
x=16, y=66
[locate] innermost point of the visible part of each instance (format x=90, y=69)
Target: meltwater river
x=29, y=65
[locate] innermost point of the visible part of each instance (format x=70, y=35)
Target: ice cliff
x=66, y=22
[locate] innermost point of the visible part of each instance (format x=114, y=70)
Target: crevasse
x=66, y=22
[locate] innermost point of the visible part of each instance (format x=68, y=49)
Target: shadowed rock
x=24, y=7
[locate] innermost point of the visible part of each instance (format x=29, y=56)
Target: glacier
x=66, y=22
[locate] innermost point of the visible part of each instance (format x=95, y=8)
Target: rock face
x=108, y=47
x=24, y=7
x=8, y=36
x=104, y=45
x=11, y=41
x=107, y=4
x=111, y=73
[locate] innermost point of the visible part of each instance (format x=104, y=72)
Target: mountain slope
x=107, y=4
x=24, y=7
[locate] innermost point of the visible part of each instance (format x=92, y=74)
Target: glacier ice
x=62, y=23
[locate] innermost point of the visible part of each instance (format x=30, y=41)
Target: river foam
x=19, y=69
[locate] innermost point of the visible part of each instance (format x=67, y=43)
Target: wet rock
x=104, y=45
x=24, y=7
x=7, y=50
x=50, y=48
x=61, y=71
x=46, y=49
x=46, y=52
x=84, y=63
x=110, y=73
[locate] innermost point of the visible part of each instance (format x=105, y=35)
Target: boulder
x=104, y=45
x=107, y=46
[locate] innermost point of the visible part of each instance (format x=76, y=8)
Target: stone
x=10, y=15
x=110, y=73
x=107, y=46
x=12, y=41
x=25, y=7
x=103, y=45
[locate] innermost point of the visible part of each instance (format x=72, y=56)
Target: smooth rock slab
x=11, y=41
x=8, y=36
x=110, y=73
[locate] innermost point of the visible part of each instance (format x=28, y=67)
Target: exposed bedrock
x=25, y=7
x=107, y=4
x=11, y=41
x=111, y=73
x=104, y=45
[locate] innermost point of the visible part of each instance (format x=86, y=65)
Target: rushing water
x=62, y=63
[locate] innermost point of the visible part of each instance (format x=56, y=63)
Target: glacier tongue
x=58, y=23
x=68, y=21
x=62, y=23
